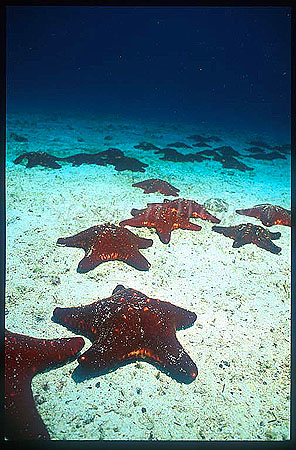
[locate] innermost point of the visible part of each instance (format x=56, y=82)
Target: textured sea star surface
x=129, y=326
x=24, y=357
x=108, y=243
x=250, y=234
x=268, y=214
x=157, y=185
x=164, y=219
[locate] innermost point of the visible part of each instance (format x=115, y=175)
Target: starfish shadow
x=81, y=374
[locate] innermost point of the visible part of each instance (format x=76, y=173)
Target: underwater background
x=86, y=79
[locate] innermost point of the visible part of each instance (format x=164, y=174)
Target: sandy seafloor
x=241, y=338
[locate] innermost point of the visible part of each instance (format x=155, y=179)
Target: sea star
x=199, y=138
x=108, y=243
x=157, y=185
x=249, y=233
x=201, y=144
x=268, y=214
x=112, y=156
x=18, y=138
x=24, y=357
x=164, y=219
x=170, y=154
x=38, y=159
x=229, y=162
x=129, y=326
x=227, y=150
x=207, y=152
x=267, y=156
x=190, y=208
x=259, y=144
x=255, y=150
x=179, y=145
x=146, y=146
x=284, y=148
x=85, y=158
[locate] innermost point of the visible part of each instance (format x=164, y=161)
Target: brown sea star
x=129, y=326
x=108, y=243
x=249, y=233
x=188, y=207
x=268, y=214
x=164, y=219
x=157, y=185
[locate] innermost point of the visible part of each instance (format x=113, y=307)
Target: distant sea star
x=129, y=326
x=38, y=159
x=157, y=185
x=146, y=146
x=170, y=154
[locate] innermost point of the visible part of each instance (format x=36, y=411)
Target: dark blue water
x=220, y=66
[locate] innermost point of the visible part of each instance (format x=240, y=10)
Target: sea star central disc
x=129, y=326
x=108, y=243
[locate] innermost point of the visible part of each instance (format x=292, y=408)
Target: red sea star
x=24, y=357
x=164, y=219
x=129, y=326
x=108, y=243
x=249, y=233
x=188, y=207
x=268, y=214
x=157, y=185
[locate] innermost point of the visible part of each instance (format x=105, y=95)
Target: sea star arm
x=22, y=419
x=164, y=235
x=89, y=262
x=78, y=240
x=138, y=261
x=181, y=316
x=141, y=220
x=272, y=235
x=251, y=212
x=190, y=226
x=226, y=231
x=24, y=357
x=112, y=351
x=78, y=319
x=139, y=241
x=135, y=212
x=203, y=214
x=170, y=355
x=264, y=241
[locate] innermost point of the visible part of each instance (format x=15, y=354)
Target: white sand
x=241, y=338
